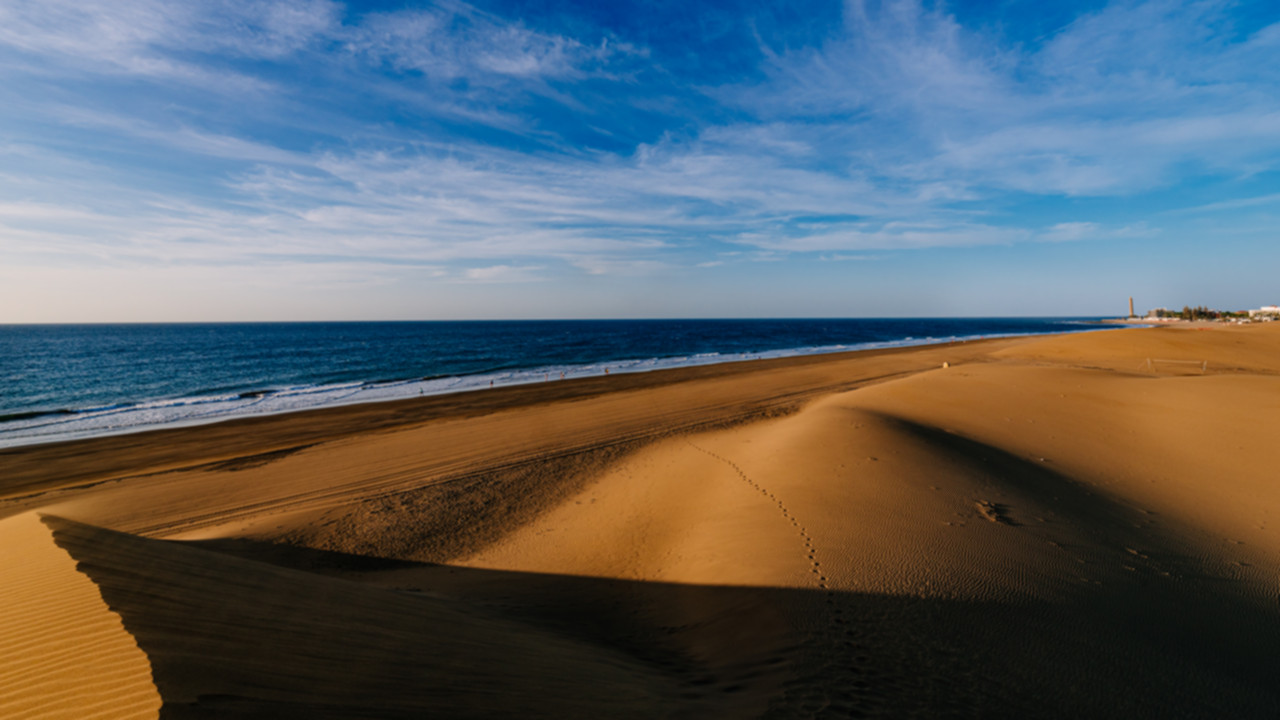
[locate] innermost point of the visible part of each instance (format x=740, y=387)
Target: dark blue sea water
x=64, y=381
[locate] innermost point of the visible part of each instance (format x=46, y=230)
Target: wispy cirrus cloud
x=473, y=145
x=455, y=41
x=1112, y=103
x=446, y=41
x=502, y=274
x=156, y=37
x=1235, y=204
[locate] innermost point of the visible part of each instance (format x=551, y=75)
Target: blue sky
x=308, y=159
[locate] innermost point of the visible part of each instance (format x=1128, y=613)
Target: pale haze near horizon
x=310, y=160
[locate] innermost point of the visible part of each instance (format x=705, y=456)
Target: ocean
x=71, y=381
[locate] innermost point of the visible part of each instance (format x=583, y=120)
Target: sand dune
x=66, y=654
x=233, y=637
x=1052, y=527
x=1062, y=582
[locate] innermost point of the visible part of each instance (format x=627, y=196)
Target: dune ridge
x=66, y=654
x=1046, y=527
x=230, y=637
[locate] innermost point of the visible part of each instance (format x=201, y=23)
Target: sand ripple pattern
x=65, y=653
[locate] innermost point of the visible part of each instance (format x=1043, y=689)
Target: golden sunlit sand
x=1068, y=526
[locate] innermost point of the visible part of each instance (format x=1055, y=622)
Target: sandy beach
x=1064, y=526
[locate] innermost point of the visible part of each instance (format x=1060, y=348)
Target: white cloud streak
x=903, y=131
x=1109, y=105
x=458, y=41
x=157, y=37
x=502, y=274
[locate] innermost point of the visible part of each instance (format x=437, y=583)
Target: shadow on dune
x=245, y=629
x=1166, y=632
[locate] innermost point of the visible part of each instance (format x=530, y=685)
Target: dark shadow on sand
x=244, y=629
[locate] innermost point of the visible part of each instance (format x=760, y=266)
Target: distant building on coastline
x=1266, y=313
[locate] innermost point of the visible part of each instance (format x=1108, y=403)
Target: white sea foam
x=153, y=414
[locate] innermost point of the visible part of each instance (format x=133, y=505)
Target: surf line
x=815, y=567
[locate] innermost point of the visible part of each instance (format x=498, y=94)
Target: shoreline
x=21, y=430
x=257, y=434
